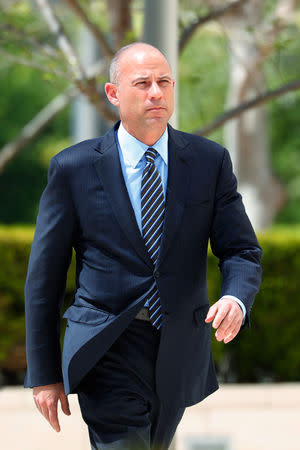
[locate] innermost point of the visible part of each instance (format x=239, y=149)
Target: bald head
x=136, y=50
x=142, y=88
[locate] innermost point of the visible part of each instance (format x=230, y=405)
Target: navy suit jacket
x=86, y=206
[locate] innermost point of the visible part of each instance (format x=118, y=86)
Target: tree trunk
x=120, y=20
x=161, y=30
x=247, y=136
x=86, y=122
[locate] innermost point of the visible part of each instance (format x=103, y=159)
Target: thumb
x=65, y=404
x=211, y=313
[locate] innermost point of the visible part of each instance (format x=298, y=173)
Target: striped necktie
x=152, y=212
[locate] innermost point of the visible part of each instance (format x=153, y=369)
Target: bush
x=268, y=351
x=15, y=244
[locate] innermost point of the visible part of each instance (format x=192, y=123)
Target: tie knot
x=150, y=155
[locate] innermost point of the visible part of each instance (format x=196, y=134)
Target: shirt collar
x=133, y=150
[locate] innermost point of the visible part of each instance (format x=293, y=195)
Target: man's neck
x=149, y=138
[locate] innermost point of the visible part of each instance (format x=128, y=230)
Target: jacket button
x=156, y=274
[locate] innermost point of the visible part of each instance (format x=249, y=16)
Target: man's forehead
x=143, y=58
x=146, y=70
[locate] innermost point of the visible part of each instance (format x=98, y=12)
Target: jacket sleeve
x=233, y=240
x=46, y=279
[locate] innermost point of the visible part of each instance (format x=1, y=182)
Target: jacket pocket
x=200, y=315
x=84, y=314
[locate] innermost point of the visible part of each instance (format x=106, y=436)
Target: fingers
x=217, y=312
x=65, y=404
x=46, y=399
x=227, y=318
x=211, y=313
x=47, y=405
x=53, y=418
x=226, y=334
x=225, y=321
x=232, y=335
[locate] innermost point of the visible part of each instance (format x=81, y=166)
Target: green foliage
x=285, y=140
x=268, y=351
x=283, y=66
x=14, y=255
x=202, y=80
x=15, y=244
x=203, y=73
x=24, y=93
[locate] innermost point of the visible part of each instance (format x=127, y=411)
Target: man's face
x=145, y=91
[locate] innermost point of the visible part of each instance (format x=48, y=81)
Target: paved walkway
x=241, y=417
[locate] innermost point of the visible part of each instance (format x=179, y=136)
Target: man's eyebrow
x=139, y=79
x=147, y=78
x=165, y=76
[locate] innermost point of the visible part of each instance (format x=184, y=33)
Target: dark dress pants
x=118, y=399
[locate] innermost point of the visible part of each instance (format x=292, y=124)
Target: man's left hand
x=227, y=317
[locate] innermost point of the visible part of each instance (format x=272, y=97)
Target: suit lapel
x=109, y=170
x=177, y=187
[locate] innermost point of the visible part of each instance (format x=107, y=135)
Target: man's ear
x=111, y=91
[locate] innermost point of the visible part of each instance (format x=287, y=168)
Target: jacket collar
x=109, y=170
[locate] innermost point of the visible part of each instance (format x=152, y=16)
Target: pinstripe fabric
x=152, y=210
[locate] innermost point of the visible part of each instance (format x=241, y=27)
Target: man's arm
x=234, y=242
x=44, y=292
x=46, y=279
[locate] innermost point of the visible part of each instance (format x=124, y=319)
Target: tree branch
x=48, y=113
x=62, y=39
x=98, y=35
x=212, y=15
x=35, y=126
x=254, y=103
x=90, y=89
x=284, y=14
x=86, y=85
x=46, y=49
x=6, y=6
x=267, y=35
x=34, y=65
x=120, y=20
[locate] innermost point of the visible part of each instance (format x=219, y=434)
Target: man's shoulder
x=80, y=154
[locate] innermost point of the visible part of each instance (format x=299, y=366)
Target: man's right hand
x=46, y=399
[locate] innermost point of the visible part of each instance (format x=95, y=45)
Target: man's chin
x=159, y=119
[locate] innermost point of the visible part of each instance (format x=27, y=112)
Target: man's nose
x=155, y=91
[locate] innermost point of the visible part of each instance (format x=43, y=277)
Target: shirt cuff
x=237, y=300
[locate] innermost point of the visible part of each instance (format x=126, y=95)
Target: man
x=138, y=205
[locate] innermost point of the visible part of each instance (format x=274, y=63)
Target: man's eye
x=164, y=81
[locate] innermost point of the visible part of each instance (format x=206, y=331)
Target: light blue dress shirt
x=133, y=161
x=132, y=158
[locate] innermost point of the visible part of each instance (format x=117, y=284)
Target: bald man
x=139, y=206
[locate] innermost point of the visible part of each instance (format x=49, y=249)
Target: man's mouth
x=156, y=108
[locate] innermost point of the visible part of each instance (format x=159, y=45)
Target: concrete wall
x=247, y=417
x=244, y=417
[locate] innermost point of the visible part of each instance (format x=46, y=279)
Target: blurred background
x=237, y=66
